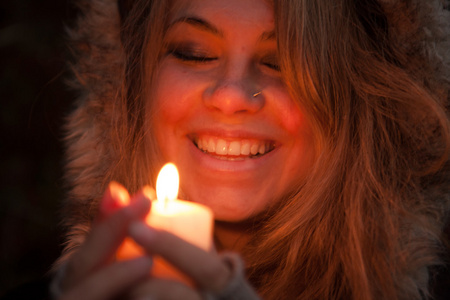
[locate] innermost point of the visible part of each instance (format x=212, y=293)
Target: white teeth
x=262, y=149
x=254, y=149
x=245, y=148
x=221, y=147
x=211, y=146
x=233, y=148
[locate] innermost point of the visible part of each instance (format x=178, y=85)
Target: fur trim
x=98, y=76
x=422, y=32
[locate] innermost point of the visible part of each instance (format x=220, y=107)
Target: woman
x=318, y=134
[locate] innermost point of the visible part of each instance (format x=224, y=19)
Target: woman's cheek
x=177, y=91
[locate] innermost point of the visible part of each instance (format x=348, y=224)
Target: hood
x=419, y=28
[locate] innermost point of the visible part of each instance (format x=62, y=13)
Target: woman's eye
x=273, y=66
x=191, y=55
x=272, y=63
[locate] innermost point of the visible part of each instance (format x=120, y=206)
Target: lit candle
x=189, y=221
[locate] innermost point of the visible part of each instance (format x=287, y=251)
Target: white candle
x=190, y=221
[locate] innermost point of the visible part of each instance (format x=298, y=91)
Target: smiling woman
x=317, y=134
x=246, y=151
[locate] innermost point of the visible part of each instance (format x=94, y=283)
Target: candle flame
x=167, y=183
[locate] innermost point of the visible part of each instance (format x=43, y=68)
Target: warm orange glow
x=167, y=183
x=115, y=198
x=120, y=193
x=190, y=221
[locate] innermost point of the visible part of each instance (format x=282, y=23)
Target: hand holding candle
x=189, y=221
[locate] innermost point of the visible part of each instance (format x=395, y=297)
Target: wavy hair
x=362, y=226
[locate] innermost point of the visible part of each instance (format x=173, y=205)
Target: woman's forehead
x=240, y=12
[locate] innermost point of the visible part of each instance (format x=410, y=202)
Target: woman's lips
x=233, y=148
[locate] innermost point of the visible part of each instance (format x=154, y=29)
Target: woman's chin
x=230, y=213
x=228, y=206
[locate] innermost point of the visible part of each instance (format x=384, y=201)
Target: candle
x=189, y=221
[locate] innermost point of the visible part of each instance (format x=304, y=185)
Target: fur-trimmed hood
x=420, y=27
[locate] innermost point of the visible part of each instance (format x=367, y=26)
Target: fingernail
x=119, y=193
x=115, y=197
x=149, y=192
x=141, y=232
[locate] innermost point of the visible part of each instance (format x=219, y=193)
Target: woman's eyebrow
x=207, y=26
x=199, y=23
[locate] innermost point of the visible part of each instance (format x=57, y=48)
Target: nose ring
x=257, y=94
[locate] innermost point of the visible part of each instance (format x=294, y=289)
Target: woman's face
x=221, y=112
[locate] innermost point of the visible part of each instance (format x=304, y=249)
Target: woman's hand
x=92, y=273
x=207, y=270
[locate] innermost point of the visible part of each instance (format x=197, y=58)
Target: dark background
x=34, y=102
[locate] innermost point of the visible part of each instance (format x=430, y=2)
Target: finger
x=160, y=289
x=111, y=281
x=206, y=269
x=115, y=198
x=104, y=240
x=149, y=192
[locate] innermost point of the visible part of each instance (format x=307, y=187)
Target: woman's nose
x=231, y=97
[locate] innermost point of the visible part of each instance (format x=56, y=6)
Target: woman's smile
x=233, y=149
x=231, y=152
